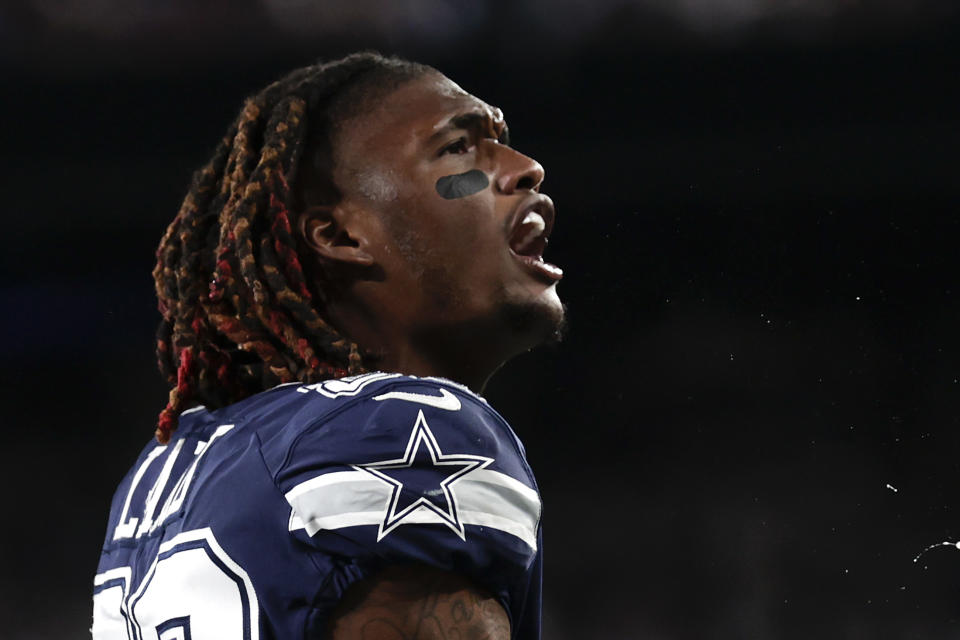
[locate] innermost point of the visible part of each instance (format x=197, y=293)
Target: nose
x=518, y=172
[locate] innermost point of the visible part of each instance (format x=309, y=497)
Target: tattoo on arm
x=418, y=603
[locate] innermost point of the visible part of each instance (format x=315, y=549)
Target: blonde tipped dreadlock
x=239, y=313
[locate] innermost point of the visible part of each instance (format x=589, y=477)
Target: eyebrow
x=470, y=121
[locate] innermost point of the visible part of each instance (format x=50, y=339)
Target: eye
x=458, y=147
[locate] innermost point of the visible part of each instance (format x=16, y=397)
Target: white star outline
x=422, y=435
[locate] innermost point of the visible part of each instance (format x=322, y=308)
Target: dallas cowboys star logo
x=423, y=478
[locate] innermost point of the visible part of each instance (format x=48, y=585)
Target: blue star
x=423, y=479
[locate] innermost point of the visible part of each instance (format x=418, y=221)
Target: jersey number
x=192, y=591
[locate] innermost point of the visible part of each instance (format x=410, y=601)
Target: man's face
x=462, y=225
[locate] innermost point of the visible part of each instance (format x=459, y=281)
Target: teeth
x=537, y=225
x=552, y=268
x=535, y=218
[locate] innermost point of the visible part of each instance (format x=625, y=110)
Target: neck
x=457, y=365
x=468, y=355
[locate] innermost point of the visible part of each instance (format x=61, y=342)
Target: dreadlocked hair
x=240, y=311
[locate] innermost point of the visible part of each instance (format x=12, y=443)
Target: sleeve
x=418, y=473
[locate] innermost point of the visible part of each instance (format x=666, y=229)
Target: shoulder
x=386, y=469
x=350, y=419
x=426, y=450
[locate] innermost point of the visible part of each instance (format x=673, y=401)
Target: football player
x=361, y=253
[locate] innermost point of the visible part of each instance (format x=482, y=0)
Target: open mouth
x=530, y=235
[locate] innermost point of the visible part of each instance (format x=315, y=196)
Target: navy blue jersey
x=255, y=518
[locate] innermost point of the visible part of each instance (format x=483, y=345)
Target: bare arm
x=418, y=603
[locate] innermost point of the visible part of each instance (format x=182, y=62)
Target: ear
x=335, y=235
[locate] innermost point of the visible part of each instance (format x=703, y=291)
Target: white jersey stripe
x=355, y=498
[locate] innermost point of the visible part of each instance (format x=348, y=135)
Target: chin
x=537, y=321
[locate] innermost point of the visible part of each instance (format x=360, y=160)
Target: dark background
x=751, y=430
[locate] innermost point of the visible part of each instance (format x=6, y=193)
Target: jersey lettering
x=153, y=498
x=175, y=499
x=126, y=528
x=192, y=591
x=110, y=619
